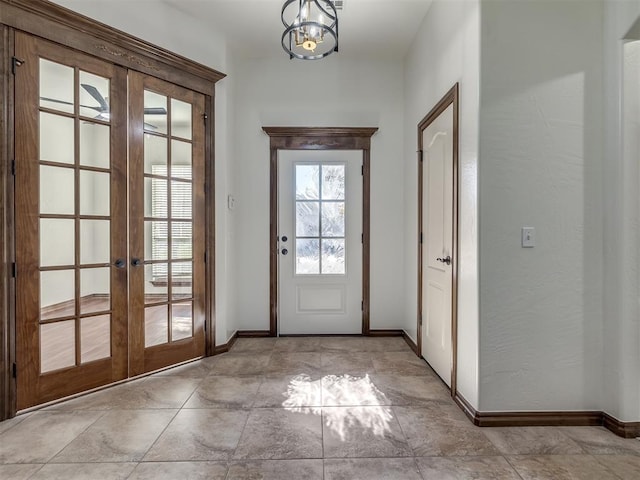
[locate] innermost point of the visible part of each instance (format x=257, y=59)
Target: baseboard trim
x=551, y=419
x=386, y=333
x=225, y=347
x=253, y=333
x=622, y=429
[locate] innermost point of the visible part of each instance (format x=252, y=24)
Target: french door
x=107, y=282
x=166, y=186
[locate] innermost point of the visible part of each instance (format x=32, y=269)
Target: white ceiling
x=368, y=28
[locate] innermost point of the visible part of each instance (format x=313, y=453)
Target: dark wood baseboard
x=553, y=419
x=225, y=347
x=622, y=429
x=253, y=333
x=386, y=333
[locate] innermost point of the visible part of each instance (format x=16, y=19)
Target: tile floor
x=297, y=408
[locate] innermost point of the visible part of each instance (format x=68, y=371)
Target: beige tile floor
x=297, y=408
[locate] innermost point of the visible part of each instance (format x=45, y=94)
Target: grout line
x=512, y=466
x=160, y=435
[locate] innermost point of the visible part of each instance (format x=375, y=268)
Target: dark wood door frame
x=319, y=138
x=67, y=28
x=450, y=98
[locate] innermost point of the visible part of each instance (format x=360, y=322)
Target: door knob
x=119, y=263
x=285, y=251
x=446, y=259
x=136, y=262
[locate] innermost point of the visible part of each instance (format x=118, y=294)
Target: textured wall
x=622, y=216
x=446, y=51
x=333, y=92
x=541, y=166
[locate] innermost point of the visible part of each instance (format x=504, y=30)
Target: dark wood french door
x=109, y=240
x=167, y=196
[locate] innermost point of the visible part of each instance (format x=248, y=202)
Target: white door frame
x=450, y=98
x=318, y=138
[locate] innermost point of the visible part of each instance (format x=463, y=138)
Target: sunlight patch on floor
x=367, y=411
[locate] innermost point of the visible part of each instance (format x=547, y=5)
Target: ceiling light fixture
x=311, y=28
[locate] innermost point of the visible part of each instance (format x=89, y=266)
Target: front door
x=167, y=197
x=320, y=241
x=71, y=228
x=437, y=249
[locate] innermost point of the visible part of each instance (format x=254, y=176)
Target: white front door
x=437, y=249
x=320, y=246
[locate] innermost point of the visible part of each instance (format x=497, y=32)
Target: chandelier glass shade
x=311, y=28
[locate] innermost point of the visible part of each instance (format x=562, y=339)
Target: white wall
x=446, y=51
x=622, y=213
x=194, y=39
x=333, y=92
x=541, y=166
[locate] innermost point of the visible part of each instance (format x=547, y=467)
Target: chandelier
x=311, y=28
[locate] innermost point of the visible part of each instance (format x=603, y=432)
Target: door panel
x=437, y=255
x=166, y=223
x=320, y=226
x=71, y=301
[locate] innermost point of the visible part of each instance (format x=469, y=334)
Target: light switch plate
x=528, y=237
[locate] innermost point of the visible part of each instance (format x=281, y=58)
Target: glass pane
x=57, y=345
x=57, y=294
x=94, y=96
x=181, y=200
x=95, y=290
x=333, y=219
x=95, y=241
x=156, y=325
x=94, y=145
x=156, y=240
x=57, y=242
x=180, y=159
x=95, y=338
x=307, y=182
x=181, y=321
x=155, y=112
x=57, y=186
x=181, y=240
x=181, y=278
x=333, y=256
x=155, y=197
x=307, y=219
x=94, y=193
x=155, y=283
x=155, y=154
x=180, y=119
x=307, y=257
x=56, y=86
x=333, y=182
x=56, y=138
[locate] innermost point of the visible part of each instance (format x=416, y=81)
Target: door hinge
x=205, y=257
x=205, y=117
x=362, y=170
x=362, y=238
x=420, y=155
x=362, y=306
x=14, y=270
x=15, y=63
x=421, y=237
x=13, y=168
x=14, y=370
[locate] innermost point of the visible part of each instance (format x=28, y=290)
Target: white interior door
x=320, y=246
x=437, y=221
